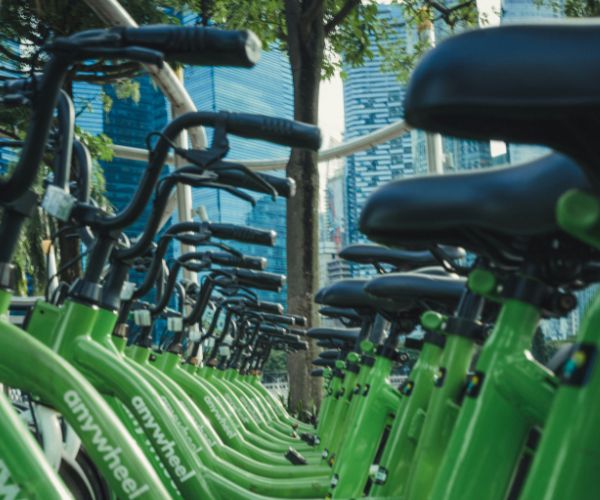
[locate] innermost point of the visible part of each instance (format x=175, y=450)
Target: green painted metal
x=276, y=404
x=29, y=365
x=326, y=422
x=289, y=487
x=342, y=400
x=261, y=442
x=379, y=402
x=252, y=416
x=278, y=420
x=496, y=417
x=99, y=360
x=24, y=471
x=339, y=430
x=392, y=473
x=447, y=384
x=202, y=395
x=566, y=461
x=578, y=213
x=250, y=393
x=165, y=362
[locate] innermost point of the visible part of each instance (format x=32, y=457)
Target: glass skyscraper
x=126, y=123
x=374, y=98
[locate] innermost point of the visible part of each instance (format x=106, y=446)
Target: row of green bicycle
x=117, y=413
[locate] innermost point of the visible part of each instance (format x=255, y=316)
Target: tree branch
x=341, y=14
x=447, y=11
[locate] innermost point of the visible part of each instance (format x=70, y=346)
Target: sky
x=331, y=98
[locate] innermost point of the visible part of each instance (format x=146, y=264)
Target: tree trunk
x=305, y=45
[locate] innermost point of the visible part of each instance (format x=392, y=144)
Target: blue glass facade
x=373, y=99
x=265, y=89
x=127, y=123
x=7, y=70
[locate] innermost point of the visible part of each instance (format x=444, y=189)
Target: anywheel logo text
x=165, y=447
x=110, y=454
x=220, y=417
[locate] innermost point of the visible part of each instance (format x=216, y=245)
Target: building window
x=370, y=119
x=396, y=159
x=395, y=111
x=396, y=143
x=374, y=181
x=372, y=167
x=394, y=96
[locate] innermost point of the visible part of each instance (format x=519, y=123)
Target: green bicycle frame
x=28, y=364
x=507, y=395
x=24, y=471
x=572, y=426
x=99, y=360
x=390, y=475
x=447, y=385
x=377, y=407
x=204, y=449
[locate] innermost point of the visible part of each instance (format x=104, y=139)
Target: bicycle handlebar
x=196, y=45
x=259, y=279
x=266, y=307
x=278, y=130
x=242, y=233
x=229, y=260
x=284, y=186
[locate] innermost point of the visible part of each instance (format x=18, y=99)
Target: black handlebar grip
x=288, y=339
x=318, y=372
x=283, y=319
x=195, y=266
x=272, y=330
x=278, y=130
x=297, y=331
x=246, y=262
x=243, y=234
x=196, y=45
x=324, y=362
x=260, y=279
x=285, y=186
x=299, y=346
x=299, y=320
x=268, y=307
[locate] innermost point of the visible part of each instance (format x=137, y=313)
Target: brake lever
x=139, y=54
x=238, y=193
x=191, y=239
x=243, y=168
x=192, y=179
x=223, y=247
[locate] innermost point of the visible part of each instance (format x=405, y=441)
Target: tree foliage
x=25, y=26
x=352, y=28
